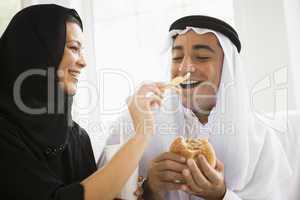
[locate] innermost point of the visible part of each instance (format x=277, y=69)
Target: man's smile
x=190, y=84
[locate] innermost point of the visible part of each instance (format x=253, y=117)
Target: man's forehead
x=191, y=38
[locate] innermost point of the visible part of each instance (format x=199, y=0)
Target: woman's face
x=73, y=60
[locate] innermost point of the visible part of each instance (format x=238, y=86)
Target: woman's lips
x=75, y=74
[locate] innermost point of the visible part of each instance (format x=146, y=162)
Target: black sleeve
x=83, y=151
x=24, y=177
x=88, y=156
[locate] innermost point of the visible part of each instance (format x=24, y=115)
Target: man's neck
x=203, y=118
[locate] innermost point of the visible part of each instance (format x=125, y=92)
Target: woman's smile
x=74, y=73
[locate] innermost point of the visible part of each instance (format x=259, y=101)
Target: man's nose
x=187, y=65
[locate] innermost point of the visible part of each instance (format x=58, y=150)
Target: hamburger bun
x=191, y=148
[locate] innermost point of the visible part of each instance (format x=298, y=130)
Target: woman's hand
x=140, y=105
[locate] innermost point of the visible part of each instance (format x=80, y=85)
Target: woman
x=44, y=154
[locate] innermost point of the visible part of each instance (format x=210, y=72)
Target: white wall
x=262, y=28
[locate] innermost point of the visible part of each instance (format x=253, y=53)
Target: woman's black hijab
x=34, y=43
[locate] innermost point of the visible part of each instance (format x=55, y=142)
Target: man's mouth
x=189, y=84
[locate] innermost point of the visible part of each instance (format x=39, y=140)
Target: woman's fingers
x=139, y=106
x=152, y=87
x=151, y=94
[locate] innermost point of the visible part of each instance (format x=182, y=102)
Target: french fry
x=177, y=80
x=180, y=79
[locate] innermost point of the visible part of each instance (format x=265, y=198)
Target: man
x=251, y=162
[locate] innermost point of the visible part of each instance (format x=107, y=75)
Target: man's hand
x=204, y=181
x=165, y=174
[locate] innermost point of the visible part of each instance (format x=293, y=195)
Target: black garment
x=215, y=24
x=43, y=155
x=26, y=177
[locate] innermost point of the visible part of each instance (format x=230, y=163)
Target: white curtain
x=292, y=16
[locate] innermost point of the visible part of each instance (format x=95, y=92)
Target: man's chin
x=199, y=109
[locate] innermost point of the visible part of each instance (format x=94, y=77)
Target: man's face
x=203, y=56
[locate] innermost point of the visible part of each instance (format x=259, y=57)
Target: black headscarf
x=35, y=39
x=202, y=21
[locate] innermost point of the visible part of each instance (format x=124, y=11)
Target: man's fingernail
x=189, y=162
x=186, y=172
x=182, y=159
x=201, y=157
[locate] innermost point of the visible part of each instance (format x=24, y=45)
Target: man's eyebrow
x=177, y=47
x=203, y=46
x=195, y=47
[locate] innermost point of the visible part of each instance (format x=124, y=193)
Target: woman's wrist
x=141, y=137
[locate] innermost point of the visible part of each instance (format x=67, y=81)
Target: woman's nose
x=82, y=61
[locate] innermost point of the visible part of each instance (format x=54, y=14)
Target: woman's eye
x=74, y=49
